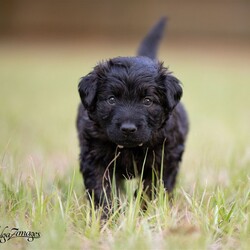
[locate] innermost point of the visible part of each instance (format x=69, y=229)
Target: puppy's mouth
x=131, y=140
x=129, y=145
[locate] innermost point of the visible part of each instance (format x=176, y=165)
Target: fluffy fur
x=130, y=105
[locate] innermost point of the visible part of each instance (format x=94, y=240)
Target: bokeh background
x=126, y=19
x=46, y=46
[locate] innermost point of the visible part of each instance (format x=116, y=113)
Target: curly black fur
x=130, y=105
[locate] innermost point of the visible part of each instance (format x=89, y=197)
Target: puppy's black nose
x=128, y=128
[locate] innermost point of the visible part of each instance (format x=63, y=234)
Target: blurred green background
x=46, y=46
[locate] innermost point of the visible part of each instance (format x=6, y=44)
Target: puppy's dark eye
x=111, y=100
x=147, y=101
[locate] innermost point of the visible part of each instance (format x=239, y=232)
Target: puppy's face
x=129, y=98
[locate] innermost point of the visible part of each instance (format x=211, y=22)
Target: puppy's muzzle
x=128, y=128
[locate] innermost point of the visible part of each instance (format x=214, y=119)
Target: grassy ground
x=41, y=188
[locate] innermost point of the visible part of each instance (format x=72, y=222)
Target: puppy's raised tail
x=150, y=43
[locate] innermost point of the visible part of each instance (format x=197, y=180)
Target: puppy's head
x=130, y=98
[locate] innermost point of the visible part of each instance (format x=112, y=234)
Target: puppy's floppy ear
x=170, y=87
x=173, y=91
x=87, y=90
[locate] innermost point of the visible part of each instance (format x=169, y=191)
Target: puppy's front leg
x=97, y=184
x=169, y=176
x=172, y=163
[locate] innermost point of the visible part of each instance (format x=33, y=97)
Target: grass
x=41, y=188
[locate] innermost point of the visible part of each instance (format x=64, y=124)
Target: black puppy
x=130, y=106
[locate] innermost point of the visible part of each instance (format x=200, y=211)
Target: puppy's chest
x=130, y=163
